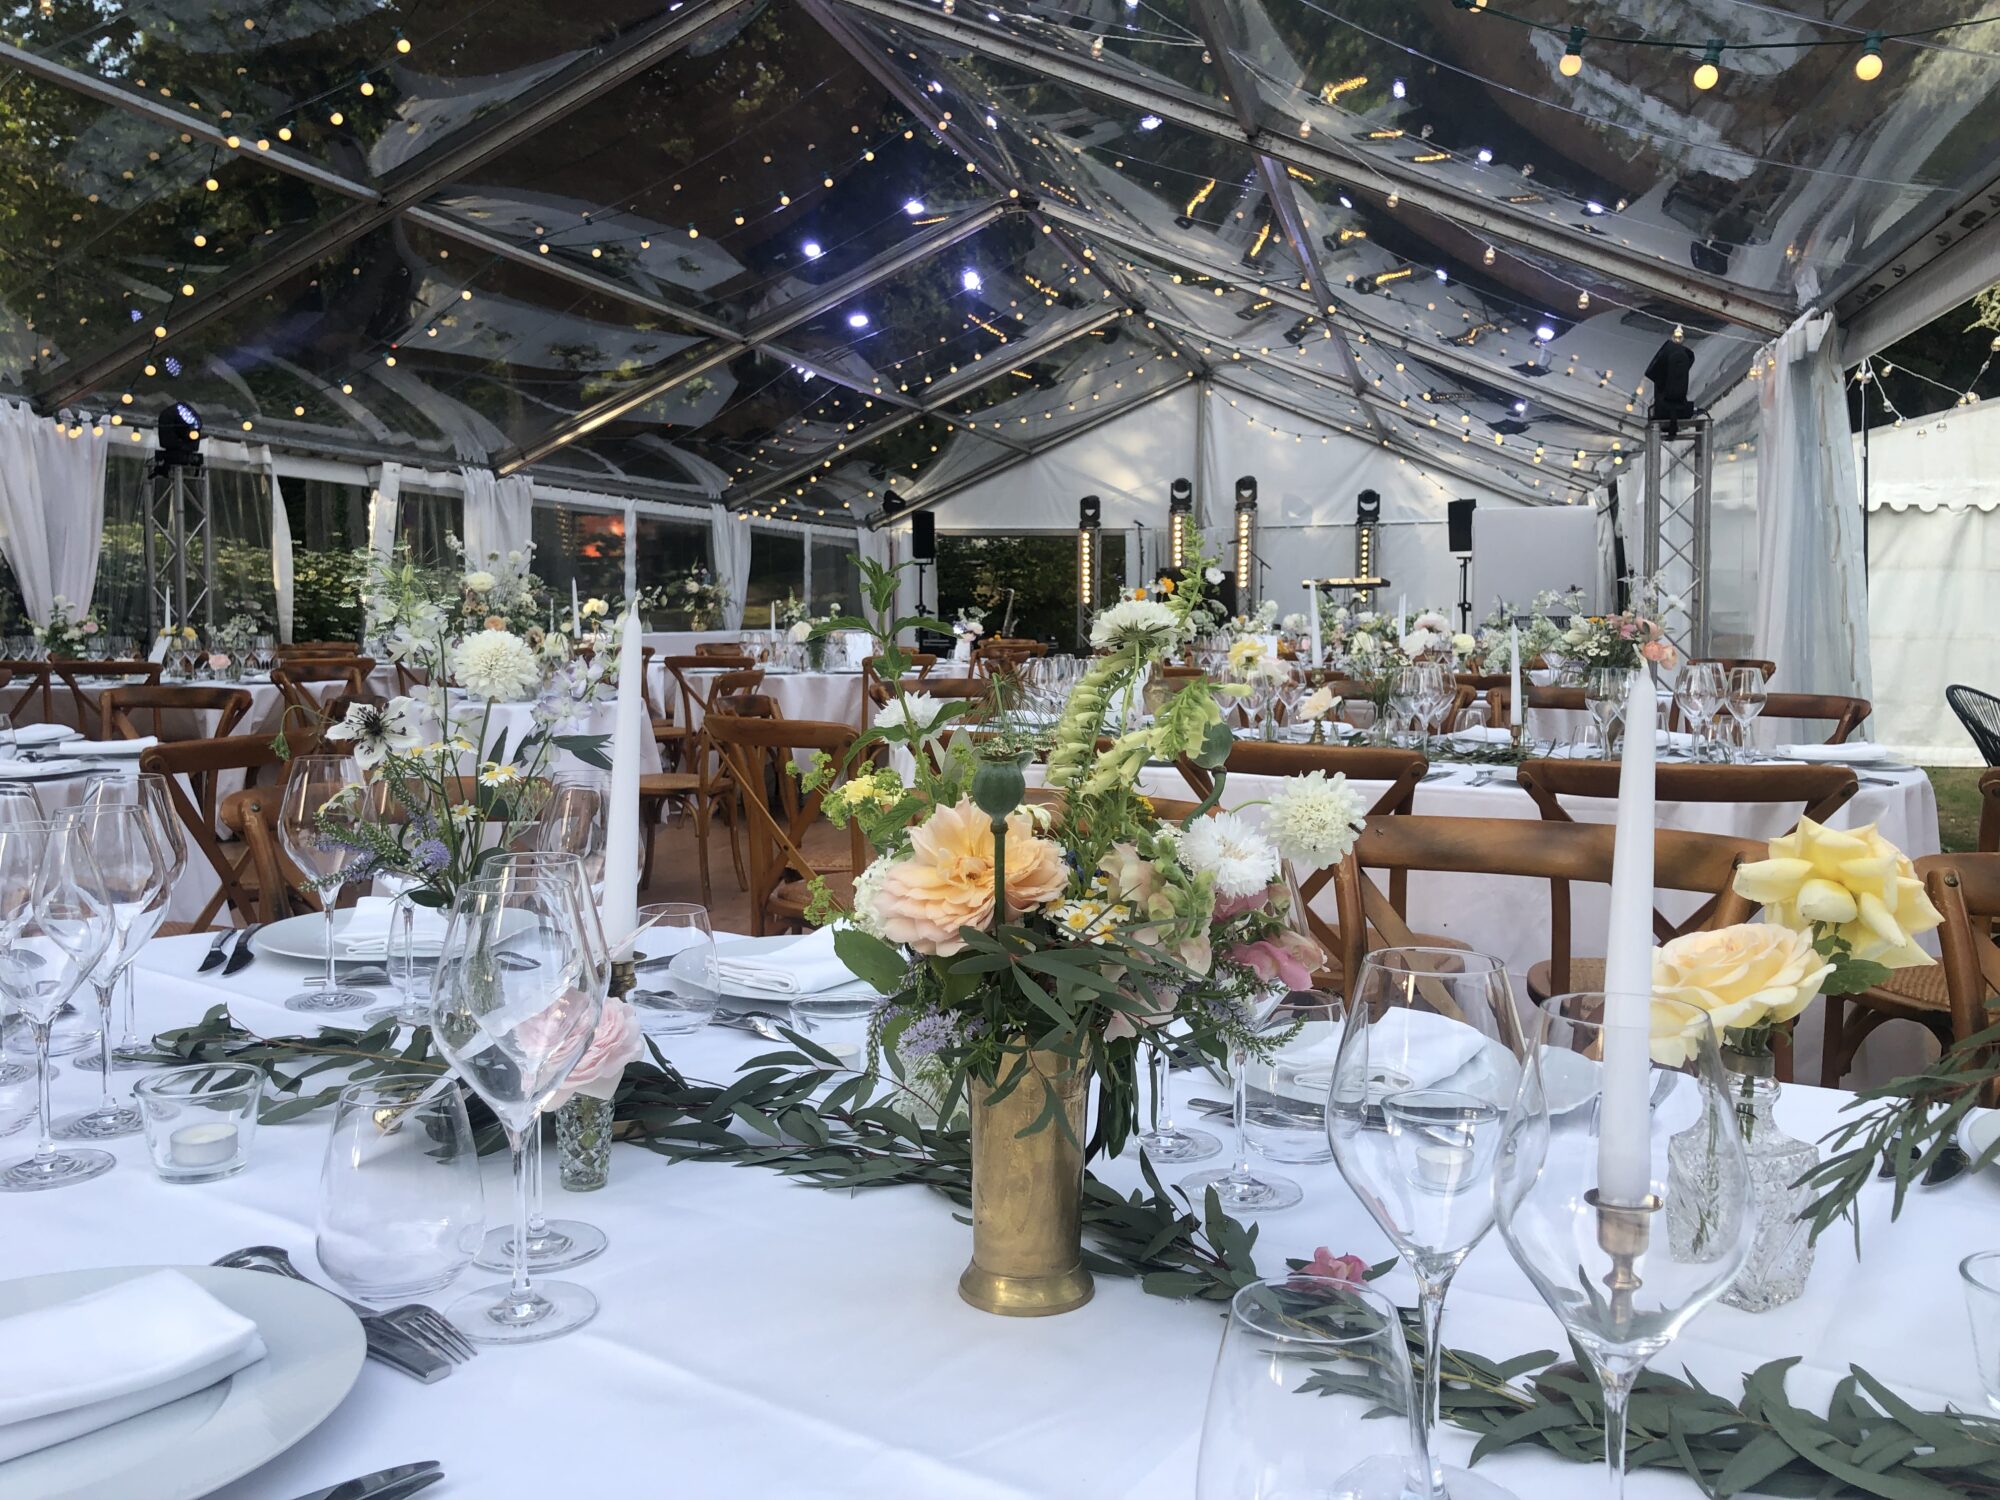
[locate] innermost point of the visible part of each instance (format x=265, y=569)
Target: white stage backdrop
x=1520, y=550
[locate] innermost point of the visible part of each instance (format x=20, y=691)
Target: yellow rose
x=1245, y=653
x=1744, y=976
x=1854, y=884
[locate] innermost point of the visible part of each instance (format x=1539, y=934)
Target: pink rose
x=1289, y=958
x=616, y=1042
x=1335, y=1267
x=88, y=627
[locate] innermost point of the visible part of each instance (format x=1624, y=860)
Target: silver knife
x=383, y=1484
x=214, y=955
x=242, y=955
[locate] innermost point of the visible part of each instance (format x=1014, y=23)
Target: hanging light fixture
x=1868, y=66
x=1708, y=72
x=1572, y=58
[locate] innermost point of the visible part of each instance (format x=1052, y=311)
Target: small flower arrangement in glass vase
x=69, y=634
x=697, y=592
x=1626, y=639
x=232, y=641
x=1029, y=945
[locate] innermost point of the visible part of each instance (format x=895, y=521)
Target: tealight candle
x=202, y=1145
x=1442, y=1166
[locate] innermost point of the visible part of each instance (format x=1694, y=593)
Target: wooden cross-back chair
x=1500, y=700
x=1840, y=714
x=1004, y=654
x=1989, y=812
x=1731, y=663
x=775, y=829
x=700, y=785
x=194, y=770
x=317, y=648
x=89, y=711
x=728, y=650
x=293, y=677
x=1819, y=791
x=119, y=706
x=281, y=890
x=411, y=680
x=1952, y=999
x=919, y=664
x=1562, y=854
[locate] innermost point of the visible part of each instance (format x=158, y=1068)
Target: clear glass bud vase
x=1781, y=1255
x=583, y=1143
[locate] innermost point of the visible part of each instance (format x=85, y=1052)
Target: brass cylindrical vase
x=1027, y=1196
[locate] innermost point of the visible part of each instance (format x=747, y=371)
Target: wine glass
x=319, y=815
x=1240, y=1189
x=51, y=898
x=147, y=790
x=1701, y=692
x=1605, y=690
x=1430, y=1058
x=19, y=804
x=514, y=1007
x=573, y=821
x=1747, y=694
x=1406, y=696
x=1163, y=1140
x=133, y=877
x=1584, y=1193
x=1311, y=1398
x=553, y=1244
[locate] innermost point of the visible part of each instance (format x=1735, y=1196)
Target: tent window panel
x=425, y=522
x=836, y=577
x=120, y=595
x=325, y=515
x=584, y=547
x=668, y=550
x=777, y=567
x=1040, y=570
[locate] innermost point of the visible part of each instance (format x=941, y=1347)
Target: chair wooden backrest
x=1500, y=700
x=775, y=831
x=1989, y=812
x=1731, y=663
x=1842, y=714
x=193, y=770
x=317, y=648
x=291, y=678
x=1965, y=888
x=409, y=679
x=745, y=706
x=1002, y=653
x=1980, y=714
x=880, y=692
x=281, y=890
x=1559, y=853
x=119, y=704
x=695, y=692
x=89, y=714
x=920, y=664
x=728, y=650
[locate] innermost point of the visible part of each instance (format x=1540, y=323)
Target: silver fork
x=424, y=1325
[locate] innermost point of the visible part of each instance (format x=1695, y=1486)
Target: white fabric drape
x=1812, y=600
x=51, y=508
x=282, y=576
x=729, y=546
x=1135, y=557
x=499, y=514
x=382, y=509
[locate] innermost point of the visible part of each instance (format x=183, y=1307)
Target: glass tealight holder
x=200, y=1121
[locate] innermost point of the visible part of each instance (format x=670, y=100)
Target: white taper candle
x=1624, y=1169
x=621, y=832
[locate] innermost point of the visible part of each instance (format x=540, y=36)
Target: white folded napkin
x=1414, y=1049
x=37, y=770
x=100, y=1358
x=30, y=735
x=364, y=930
x=114, y=749
x=1853, y=753
x=1485, y=734
x=806, y=967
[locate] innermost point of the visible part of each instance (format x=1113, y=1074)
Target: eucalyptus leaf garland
x=799, y=1112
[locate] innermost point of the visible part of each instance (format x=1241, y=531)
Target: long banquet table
x=763, y=1338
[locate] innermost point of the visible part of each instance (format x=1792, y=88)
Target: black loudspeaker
x=923, y=536
x=1458, y=523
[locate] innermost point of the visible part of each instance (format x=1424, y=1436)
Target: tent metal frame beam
x=1499, y=222
x=1056, y=440
x=912, y=251
x=740, y=497
x=458, y=154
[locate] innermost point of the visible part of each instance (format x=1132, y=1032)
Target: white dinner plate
x=686, y=967
x=304, y=936
x=38, y=770
x=1978, y=1131
x=313, y=1352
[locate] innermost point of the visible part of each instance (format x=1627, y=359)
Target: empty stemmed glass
x=1238, y=1187
x=1430, y=1059
x=132, y=875
x=1164, y=1140
x=1701, y=692
x=1406, y=698
x=515, y=1005
x=147, y=790
x=1583, y=1192
x=57, y=922
x=1605, y=690
x=1747, y=694
x=322, y=807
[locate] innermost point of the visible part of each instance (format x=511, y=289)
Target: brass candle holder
x=624, y=978
x=1624, y=1231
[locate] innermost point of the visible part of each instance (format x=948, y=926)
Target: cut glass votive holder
x=201, y=1120
x=1981, y=1274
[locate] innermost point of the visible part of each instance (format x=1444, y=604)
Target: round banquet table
x=760, y=1337
x=831, y=697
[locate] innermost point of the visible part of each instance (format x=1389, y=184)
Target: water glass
x=1285, y=1095
x=401, y=1205
x=1981, y=1274
x=675, y=995
x=8, y=748
x=1604, y=693
x=1311, y=1398
x=321, y=807
x=200, y=1121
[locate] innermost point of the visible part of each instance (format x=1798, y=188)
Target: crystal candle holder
x=200, y=1121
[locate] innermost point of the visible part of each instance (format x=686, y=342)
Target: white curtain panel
x=1812, y=603
x=729, y=546
x=51, y=507
x=499, y=514
x=382, y=509
x=283, y=580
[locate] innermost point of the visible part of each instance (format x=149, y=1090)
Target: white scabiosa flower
x=1144, y=621
x=480, y=582
x=1314, y=819
x=1229, y=848
x=497, y=665
x=917, y=712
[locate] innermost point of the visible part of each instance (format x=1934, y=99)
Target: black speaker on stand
x=923, y=548
x=1458, y=531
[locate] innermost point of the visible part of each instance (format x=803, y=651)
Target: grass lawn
x=1957, y=789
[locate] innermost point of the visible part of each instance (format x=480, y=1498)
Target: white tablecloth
x=762, y=1338
x=832, y=697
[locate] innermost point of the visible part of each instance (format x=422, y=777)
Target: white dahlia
x=1231, y=849
x=498, y=665
x=1133, y=620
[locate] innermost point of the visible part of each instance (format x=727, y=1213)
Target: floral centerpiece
x=231, y=642
x=1626, y=639
x=1028, y=948
x=68, y=634
x=969, y=624
x=586, y=619
x=696, y=591
x=1548, y=616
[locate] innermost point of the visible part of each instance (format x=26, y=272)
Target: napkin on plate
x=36, y=770
x=97, y=1359
x=806, y=967
x=1416, y=1049
x=1484, y=734
x=30, y=735
x=366, y=932
x=113, y=749
x=1853, y=753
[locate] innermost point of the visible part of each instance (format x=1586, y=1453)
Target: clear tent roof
x=803, y=254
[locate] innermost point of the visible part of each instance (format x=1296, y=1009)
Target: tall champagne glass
x=514, y=1006
x=50, y=956
x=133, y=876
x=323, y=805
x=1239, y=1187
x=1430, y=1058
